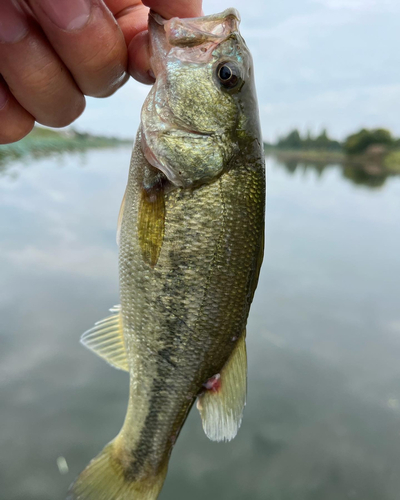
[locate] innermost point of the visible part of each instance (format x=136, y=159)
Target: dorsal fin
x=106, y=339
x=221, y=405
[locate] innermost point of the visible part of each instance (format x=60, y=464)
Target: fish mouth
x=194, y=30
x=200, y=34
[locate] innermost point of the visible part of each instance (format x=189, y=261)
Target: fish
x=191, y=244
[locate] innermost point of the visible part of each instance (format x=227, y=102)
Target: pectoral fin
x=107, y=341
x=221, y=405
x=151, y=223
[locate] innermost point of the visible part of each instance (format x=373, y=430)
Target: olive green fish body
x=191, y=233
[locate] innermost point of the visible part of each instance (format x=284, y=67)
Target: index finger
x=175, y=8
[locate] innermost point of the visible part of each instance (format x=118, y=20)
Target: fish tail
x=106, y=478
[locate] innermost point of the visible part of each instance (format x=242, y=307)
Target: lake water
x=323, y=415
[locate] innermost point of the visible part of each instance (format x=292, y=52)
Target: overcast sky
x=318, y=63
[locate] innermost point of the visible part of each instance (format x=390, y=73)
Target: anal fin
x=221, y=405
x=106, y=339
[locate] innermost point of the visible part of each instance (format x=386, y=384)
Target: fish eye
x=228, y=74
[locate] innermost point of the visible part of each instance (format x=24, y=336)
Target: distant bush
x=291, y=141
x=392, y=161
x=41, y=132
x=358, y=143
x=324, y=142
x=294, y=141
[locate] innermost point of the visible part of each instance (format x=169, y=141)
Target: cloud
x=296, y=29
x=341, y=111
x=379, y=6
x=117, y=115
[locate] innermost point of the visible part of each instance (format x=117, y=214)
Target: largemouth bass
x=191, y=232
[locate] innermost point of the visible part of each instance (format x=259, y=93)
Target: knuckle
x=116, y=83
x=66, y=115
x=58, y=100
x=45, y=77
x=102, y=72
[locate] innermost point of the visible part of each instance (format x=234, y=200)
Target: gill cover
x=191, y=117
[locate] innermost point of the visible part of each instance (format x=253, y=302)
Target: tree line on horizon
x=357, y=143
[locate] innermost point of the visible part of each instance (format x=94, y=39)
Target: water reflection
x=363, y=175
x=368, y=175
x=323, y=414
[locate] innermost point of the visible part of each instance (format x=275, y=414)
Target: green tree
x=325, y=143
x=291, y=141
x=308, y=142
x=294, y=141
x=358, y=143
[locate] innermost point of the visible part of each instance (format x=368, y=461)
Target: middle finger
x=88, y=40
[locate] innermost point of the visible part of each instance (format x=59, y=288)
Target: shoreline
x=42, y=141
x=387, y=163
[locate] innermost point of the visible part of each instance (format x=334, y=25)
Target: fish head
x=202, y=108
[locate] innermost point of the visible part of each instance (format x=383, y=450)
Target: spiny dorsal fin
x=107, y=341
x=120, y=215
x=221, y=407
x=151, y=222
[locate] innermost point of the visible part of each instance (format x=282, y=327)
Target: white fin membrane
x=106, y=339
x=222, y=411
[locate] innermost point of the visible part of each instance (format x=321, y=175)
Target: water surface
x=323, y=413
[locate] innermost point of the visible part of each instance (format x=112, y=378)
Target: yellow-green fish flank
x=191, y=233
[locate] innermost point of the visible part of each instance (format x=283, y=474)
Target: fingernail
x=4, y=96
x=13, y=24
x=67, y=14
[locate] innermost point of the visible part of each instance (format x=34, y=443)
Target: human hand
x=54, y=52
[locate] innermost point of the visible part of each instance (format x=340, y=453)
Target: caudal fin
x=105, y=479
